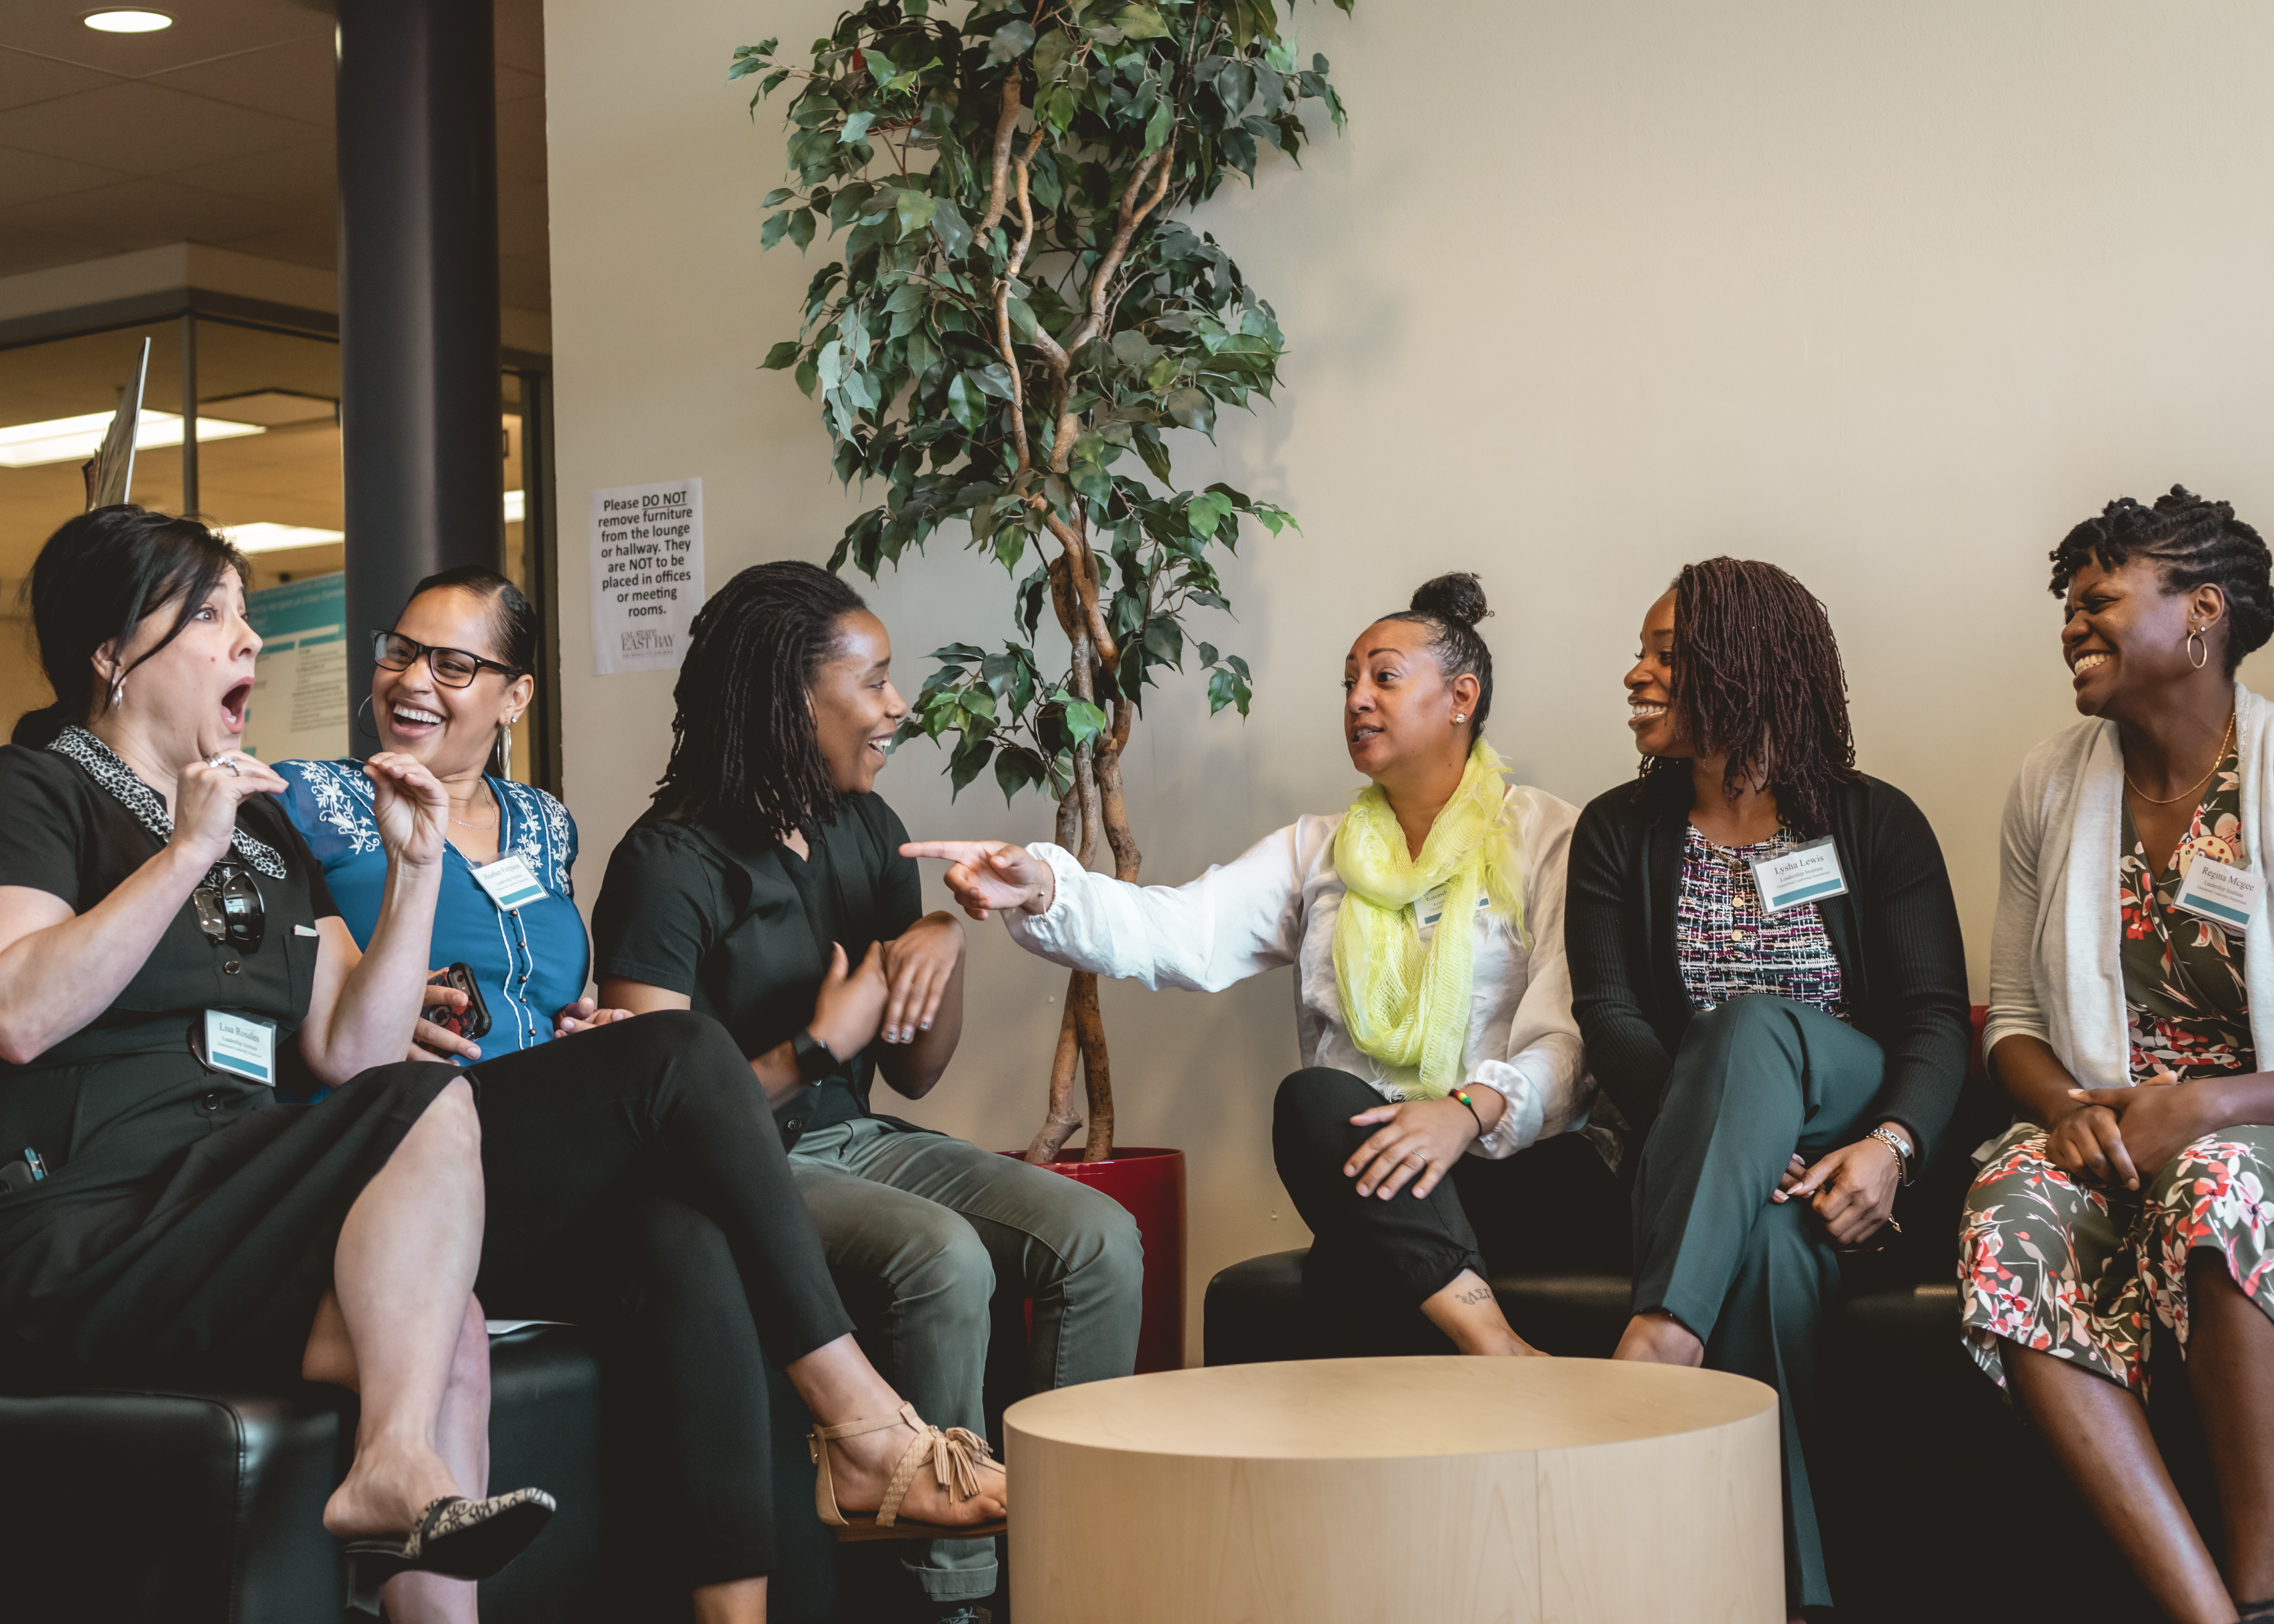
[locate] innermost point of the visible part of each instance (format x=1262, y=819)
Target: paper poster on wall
x=647, y=575
x=299, y=709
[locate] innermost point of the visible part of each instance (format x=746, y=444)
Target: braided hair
x=745, y=758
x=2196, y=542
x=1756, y=675
x=1451, y=606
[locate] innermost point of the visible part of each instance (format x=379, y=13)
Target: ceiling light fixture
x=127, y=22
x=74, y=439
x=516, y=507
x=265, y=538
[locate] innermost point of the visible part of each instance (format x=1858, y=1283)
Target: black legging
x=1552, y=1207
x=636, y=1185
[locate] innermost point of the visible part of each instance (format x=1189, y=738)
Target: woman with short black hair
x=1766, y=962
x=2130, y=971
x=766, y=887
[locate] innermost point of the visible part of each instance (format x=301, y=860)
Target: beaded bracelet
x=1462, y=1094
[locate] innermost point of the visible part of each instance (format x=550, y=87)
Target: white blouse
x=1275, y=904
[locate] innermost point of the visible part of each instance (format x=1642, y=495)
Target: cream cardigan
x=2055, y=971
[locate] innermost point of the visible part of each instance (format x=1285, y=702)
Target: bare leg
x=2230, y=1369
x=404, y=1275
x=838, y=1384
x=1465, y=1310
x=1660, y=1339
x=738, y=1601
x=2099, y=1434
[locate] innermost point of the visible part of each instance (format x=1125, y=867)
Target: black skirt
x=197, y=1233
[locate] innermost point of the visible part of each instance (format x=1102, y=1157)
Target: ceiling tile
x=25, y=78
x=521, y=226
x=521, y=35
x=25, y=175
x=142, y=214
x=312, y=244
x=520, y=137
x=22, y=249
x=304, y=179
x=201, y=32
x=144, y=129
x=294, y=78
x=525, y=280
x=512, y=83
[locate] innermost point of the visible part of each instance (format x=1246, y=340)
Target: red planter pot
x=1151, y=1184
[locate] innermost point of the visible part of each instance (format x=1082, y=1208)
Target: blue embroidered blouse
x=528, y=963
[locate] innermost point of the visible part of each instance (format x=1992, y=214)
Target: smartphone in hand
x=471, y=1023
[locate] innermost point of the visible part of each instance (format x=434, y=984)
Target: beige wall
x=1891, y=296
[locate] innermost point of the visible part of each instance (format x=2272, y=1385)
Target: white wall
x=1892, y=295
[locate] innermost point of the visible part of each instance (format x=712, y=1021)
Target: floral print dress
x=2082, y=1272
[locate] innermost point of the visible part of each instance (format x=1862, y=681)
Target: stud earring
x=117, y=691
x=1460, y=716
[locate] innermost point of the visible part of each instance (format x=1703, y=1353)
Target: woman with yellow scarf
x=1428, y=1049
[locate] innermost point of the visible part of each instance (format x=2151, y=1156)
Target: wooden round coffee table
x=1438, y=1491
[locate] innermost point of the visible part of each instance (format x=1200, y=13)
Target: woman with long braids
x=1425, y=923
x=767, y=888
x=1766, y=962
x=2130, y=970
x=169, y=953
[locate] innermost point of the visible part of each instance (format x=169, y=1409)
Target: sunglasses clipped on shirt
x=229, y=909
x=452, y=668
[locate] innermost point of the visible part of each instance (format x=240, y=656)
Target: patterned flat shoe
x=954, y=1456
x=455, y=1536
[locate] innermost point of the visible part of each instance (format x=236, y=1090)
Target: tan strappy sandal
x=954, y=1454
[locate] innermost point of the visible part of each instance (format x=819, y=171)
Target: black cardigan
x=1896, y=933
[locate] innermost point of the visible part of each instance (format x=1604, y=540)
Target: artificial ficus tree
x=1019, y=304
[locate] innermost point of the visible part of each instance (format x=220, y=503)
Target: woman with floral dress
x=2131, y=956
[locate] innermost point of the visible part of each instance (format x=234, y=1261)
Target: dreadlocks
x=2195, y=541
x=1756, y=675
x=744, y=757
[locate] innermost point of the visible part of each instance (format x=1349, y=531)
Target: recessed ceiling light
x=74, y=439
x=516, y=507
x=127, y=22
x=266, y=537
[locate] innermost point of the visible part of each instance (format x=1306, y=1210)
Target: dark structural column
x=420, y=392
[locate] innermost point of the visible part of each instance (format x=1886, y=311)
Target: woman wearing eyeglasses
x=170, y=952
x=451, y=677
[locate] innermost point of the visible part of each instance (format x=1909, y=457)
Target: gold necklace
x=2183, y=794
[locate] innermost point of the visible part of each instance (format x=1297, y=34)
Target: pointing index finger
x=951, y=851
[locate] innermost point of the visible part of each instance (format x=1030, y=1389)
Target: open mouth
x=2090, y=661
x=413, y=721
x=1641, y=711
x=233, y=704
x=881, y=744
x=1363, y=733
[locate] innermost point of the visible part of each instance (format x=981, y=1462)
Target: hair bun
x=1457, y=599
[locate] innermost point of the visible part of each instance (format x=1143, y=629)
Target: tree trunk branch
x=1097, y=1075
x=1158, y=167
x=1006, y=126
x=1059, y=1121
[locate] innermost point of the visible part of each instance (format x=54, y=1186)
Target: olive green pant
x=1755, y=1079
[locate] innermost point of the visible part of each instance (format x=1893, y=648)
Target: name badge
x=241, y=1045
x=509, y=882
x=1429, y=908
x=2210, y=890
x=1805, y=874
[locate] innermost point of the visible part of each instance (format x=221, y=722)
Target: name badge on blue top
x=2225, y=896
x=509, y=882
x=1808, y=873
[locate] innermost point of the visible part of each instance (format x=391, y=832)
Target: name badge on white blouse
x=2225, y=896
x=1807, y=873
x=509, y=882
x=1429, y=908
x=241, y=1045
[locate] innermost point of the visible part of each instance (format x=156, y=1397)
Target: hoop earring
x=369, y=730
x=2195, y=639
x=505, y=748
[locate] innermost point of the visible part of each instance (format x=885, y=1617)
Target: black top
x=745, y=931
x=66, y=834
x=1896, y=933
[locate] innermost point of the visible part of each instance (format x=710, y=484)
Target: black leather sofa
x=202, y=1505
x=1937, y=1503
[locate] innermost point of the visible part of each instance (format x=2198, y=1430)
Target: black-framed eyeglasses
x=452, y=668
x=229, y=909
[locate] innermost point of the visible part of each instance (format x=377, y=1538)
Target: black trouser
x=1373, y=1262
x=637, y=1185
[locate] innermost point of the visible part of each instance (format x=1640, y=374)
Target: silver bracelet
x=1902, y=1154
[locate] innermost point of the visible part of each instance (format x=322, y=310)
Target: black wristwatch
x=813, y=1056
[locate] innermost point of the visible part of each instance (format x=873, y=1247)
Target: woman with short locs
x=169, y=954
x=2131, y=1019
x=1766, y=962
x=1434, y=1014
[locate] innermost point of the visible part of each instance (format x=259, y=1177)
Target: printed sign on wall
x=299, y=709
x=647, y=575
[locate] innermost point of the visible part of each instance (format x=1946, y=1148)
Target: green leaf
x=784, y=354
x=952, y=229
x=1166, y=640
x=801, y=227
x=1206, y=513
x=963, y=403
x=1227, y=688
x=1022, y=319
x=855, y=127
x=969, y=757
x=1208, y=654
x=1141, y=22
x=775, y=198
x=1192, y=409
x=916, y=210
x=771, y=231
x=1084, y=720
x=1157, y=127
x=1014, y=39
x=1015, y=767
x=808, y=376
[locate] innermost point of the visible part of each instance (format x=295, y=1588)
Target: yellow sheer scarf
x=1406, y=1006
